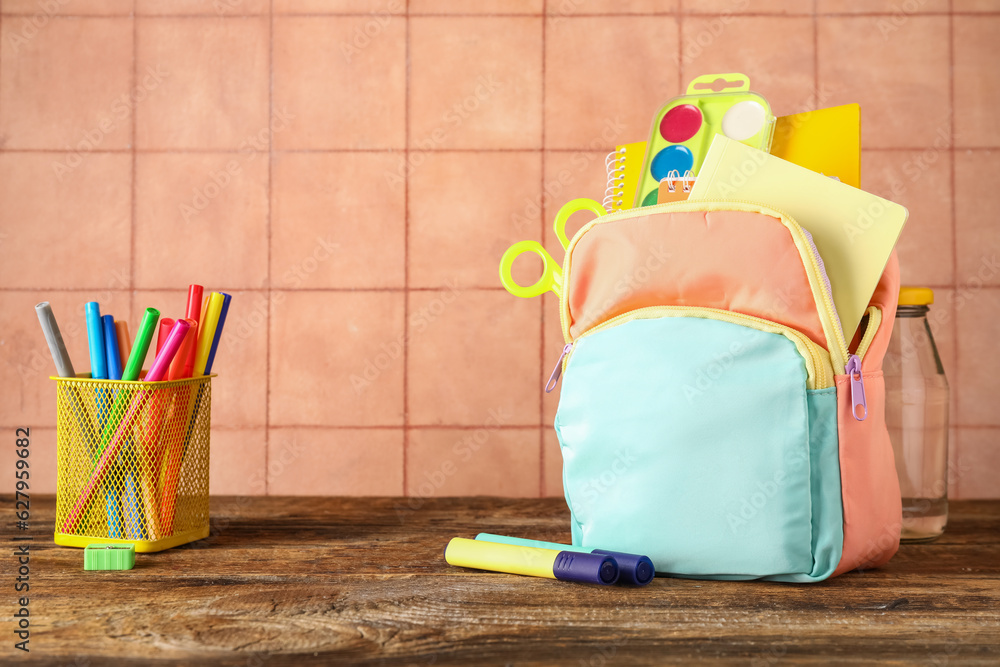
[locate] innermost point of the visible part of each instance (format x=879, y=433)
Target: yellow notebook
x=624, y=167
x=825, y=140
x=853, y=230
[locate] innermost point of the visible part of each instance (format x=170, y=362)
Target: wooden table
x=360, y=580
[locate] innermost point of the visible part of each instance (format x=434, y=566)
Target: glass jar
x=916, y=412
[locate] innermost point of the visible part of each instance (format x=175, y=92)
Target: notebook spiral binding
x=614, y=193
x=674, y=177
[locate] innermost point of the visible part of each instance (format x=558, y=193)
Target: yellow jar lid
x=916, y=296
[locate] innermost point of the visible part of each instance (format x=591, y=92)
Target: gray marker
x=64, y=367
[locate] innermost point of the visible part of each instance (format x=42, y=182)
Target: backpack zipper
x=831, y=322
x=818, y=370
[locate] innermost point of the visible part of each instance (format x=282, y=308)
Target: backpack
x=712, y=415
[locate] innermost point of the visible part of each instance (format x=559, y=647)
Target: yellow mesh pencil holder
x=132, y=461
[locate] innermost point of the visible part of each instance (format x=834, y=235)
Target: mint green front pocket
x=688, y=439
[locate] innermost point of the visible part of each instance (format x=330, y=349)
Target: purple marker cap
x=588, y=568
x=635, y=570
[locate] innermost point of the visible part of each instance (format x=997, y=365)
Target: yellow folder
x=825, y=140
x=854, y=231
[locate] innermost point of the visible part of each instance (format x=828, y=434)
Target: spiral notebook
x=624, y=166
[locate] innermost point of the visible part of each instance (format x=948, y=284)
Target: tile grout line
x=270, y=167
x=307, y=151
x=134, y=156
x=406, y=252
x=954, y=241
x=541, y=305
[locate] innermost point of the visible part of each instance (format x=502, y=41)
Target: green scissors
x=552, y=275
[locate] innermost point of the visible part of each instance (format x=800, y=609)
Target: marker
x=161, y=336
x=64, y=367
x=226, y=298
x=178, y=367
x=111, y=348
x=206, y=332
x=635, y=570
x=124, y=341
x=193, y=312
x=163, y=358
x=95, y=336
x=549, y=563
x=141, y=346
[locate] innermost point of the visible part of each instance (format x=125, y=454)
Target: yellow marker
x=532, y=561
x=209, y=320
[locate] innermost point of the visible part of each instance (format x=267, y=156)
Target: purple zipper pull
x=557, y=371
x=857, y=388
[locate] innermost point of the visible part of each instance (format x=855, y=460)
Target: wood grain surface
x=363, y=581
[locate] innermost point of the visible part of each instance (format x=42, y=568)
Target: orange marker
x=194, y=311
x=179, y=366
x=166, y=324
x=124, y=341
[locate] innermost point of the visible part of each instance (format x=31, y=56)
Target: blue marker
x=226, y=298
x=633, y=569
x=95, y=336
x=111, y=348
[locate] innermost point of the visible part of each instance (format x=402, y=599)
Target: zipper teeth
x=815, y=368
x=874, y=322
x=685, y=206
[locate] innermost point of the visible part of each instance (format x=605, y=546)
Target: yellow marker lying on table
x=531, y=561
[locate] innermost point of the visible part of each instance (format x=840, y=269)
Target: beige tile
x=27, y=395
x=239, y=393
x=66, y=85
x=55, y=206
x=461, y=226
x=920, y=181
x=569, y=8
x=40, y=10
x=977, y=83
x=597, y=90
x=336, y=359
x=893, y=13
x=976, y=230
x=975, y=6
x=552, y=469
x=336, y=221
x=492, y=7
x=473, y=354
x=201, y=218
x=978, y=320
x=485, y=461
x=237, y=466
x=201, y=7
x=200, y=103
x=322, y=62
x=899, y=76
x=335, y=462
x=775, y=52
x=379, y=9
x=42, y=462
x=475, y=83
x=979, y=458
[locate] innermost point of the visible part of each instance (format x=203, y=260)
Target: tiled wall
x=352, y=171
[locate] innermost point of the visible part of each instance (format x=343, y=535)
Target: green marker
x=141, y=346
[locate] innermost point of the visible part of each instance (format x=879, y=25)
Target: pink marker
x=166, y=354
